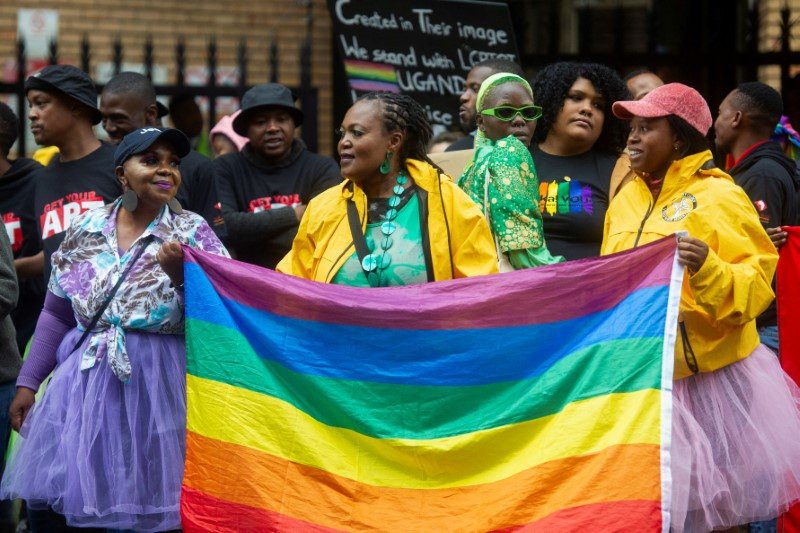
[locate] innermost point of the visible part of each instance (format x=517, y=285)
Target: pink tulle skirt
x=736, y=445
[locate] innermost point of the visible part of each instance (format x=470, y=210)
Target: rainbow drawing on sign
x=366, y=76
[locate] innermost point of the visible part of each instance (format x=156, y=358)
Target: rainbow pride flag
x=367, y=76
x=533, y=400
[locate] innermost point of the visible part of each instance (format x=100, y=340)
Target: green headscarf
x=498, y=79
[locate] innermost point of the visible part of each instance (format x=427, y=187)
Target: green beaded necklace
x=376, y=262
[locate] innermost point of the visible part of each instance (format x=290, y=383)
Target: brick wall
x=195, y=20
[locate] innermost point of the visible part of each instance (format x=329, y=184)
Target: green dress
x=407, y=266
x=502, y=180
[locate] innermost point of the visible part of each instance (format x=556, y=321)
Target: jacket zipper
x=688, y=352
x=641, y=226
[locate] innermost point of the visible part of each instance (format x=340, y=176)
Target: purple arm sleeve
x=54, y=323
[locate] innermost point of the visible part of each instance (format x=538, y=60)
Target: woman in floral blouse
x=105, y=445
x=501, y=177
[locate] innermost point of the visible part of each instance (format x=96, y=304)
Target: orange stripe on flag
x=248, y=477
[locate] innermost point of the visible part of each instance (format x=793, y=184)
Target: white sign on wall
x=37, y=27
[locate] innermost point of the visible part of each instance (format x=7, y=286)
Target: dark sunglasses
x=507, y=113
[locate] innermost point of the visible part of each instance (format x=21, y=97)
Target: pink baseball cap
x=670, y=99
x=225, y=127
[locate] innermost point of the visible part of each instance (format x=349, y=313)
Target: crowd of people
x=576, y=164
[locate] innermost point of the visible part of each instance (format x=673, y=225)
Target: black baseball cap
x=140, y=140
x=266, y=95
x=67, y=80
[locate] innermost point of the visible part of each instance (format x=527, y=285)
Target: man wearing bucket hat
x=127, y=103
x=263, y=189
x=63, y=109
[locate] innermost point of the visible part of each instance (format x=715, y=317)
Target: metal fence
x=715, y=45
x=307, y=94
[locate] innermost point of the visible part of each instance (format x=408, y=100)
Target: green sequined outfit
x=513, y=204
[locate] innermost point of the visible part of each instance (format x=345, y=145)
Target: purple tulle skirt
x=104, y=453
x=736, y=445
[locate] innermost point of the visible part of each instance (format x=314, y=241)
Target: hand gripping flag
x=537, y=399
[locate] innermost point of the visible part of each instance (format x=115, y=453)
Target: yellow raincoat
x=719, y=302
x=459, y=239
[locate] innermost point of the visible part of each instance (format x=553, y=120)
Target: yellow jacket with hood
x=719, y=302
x=457, y=240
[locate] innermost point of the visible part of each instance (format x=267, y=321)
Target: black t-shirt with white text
x=66, y=190
x=17, y=187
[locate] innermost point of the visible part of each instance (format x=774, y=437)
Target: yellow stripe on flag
x=222, y=412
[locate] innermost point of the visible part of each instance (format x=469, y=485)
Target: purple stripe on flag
x=451, y=304
x=372, y=85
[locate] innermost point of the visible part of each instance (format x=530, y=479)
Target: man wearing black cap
x=63, y=110
x=127, y=103
x=263, y=189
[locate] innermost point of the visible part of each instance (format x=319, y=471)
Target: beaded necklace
x=376, y=262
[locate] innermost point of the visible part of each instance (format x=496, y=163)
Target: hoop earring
x=386, y=166
x=129, y=201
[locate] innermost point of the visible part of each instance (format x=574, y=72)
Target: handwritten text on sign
x=424, y=48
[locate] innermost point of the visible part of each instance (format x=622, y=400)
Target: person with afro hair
x=576, y=147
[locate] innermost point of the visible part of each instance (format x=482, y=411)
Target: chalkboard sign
x=423, y=48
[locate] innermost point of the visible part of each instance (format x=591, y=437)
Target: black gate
x=707, y=44
x=307, y=94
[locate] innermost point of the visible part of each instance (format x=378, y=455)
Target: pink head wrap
x=225, y=127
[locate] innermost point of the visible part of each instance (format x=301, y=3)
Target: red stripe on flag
x=200, y=512
x=620, y=516
x=203, y=513
x=788, y=285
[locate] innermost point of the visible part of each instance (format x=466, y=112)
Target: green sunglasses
x=507, y=113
